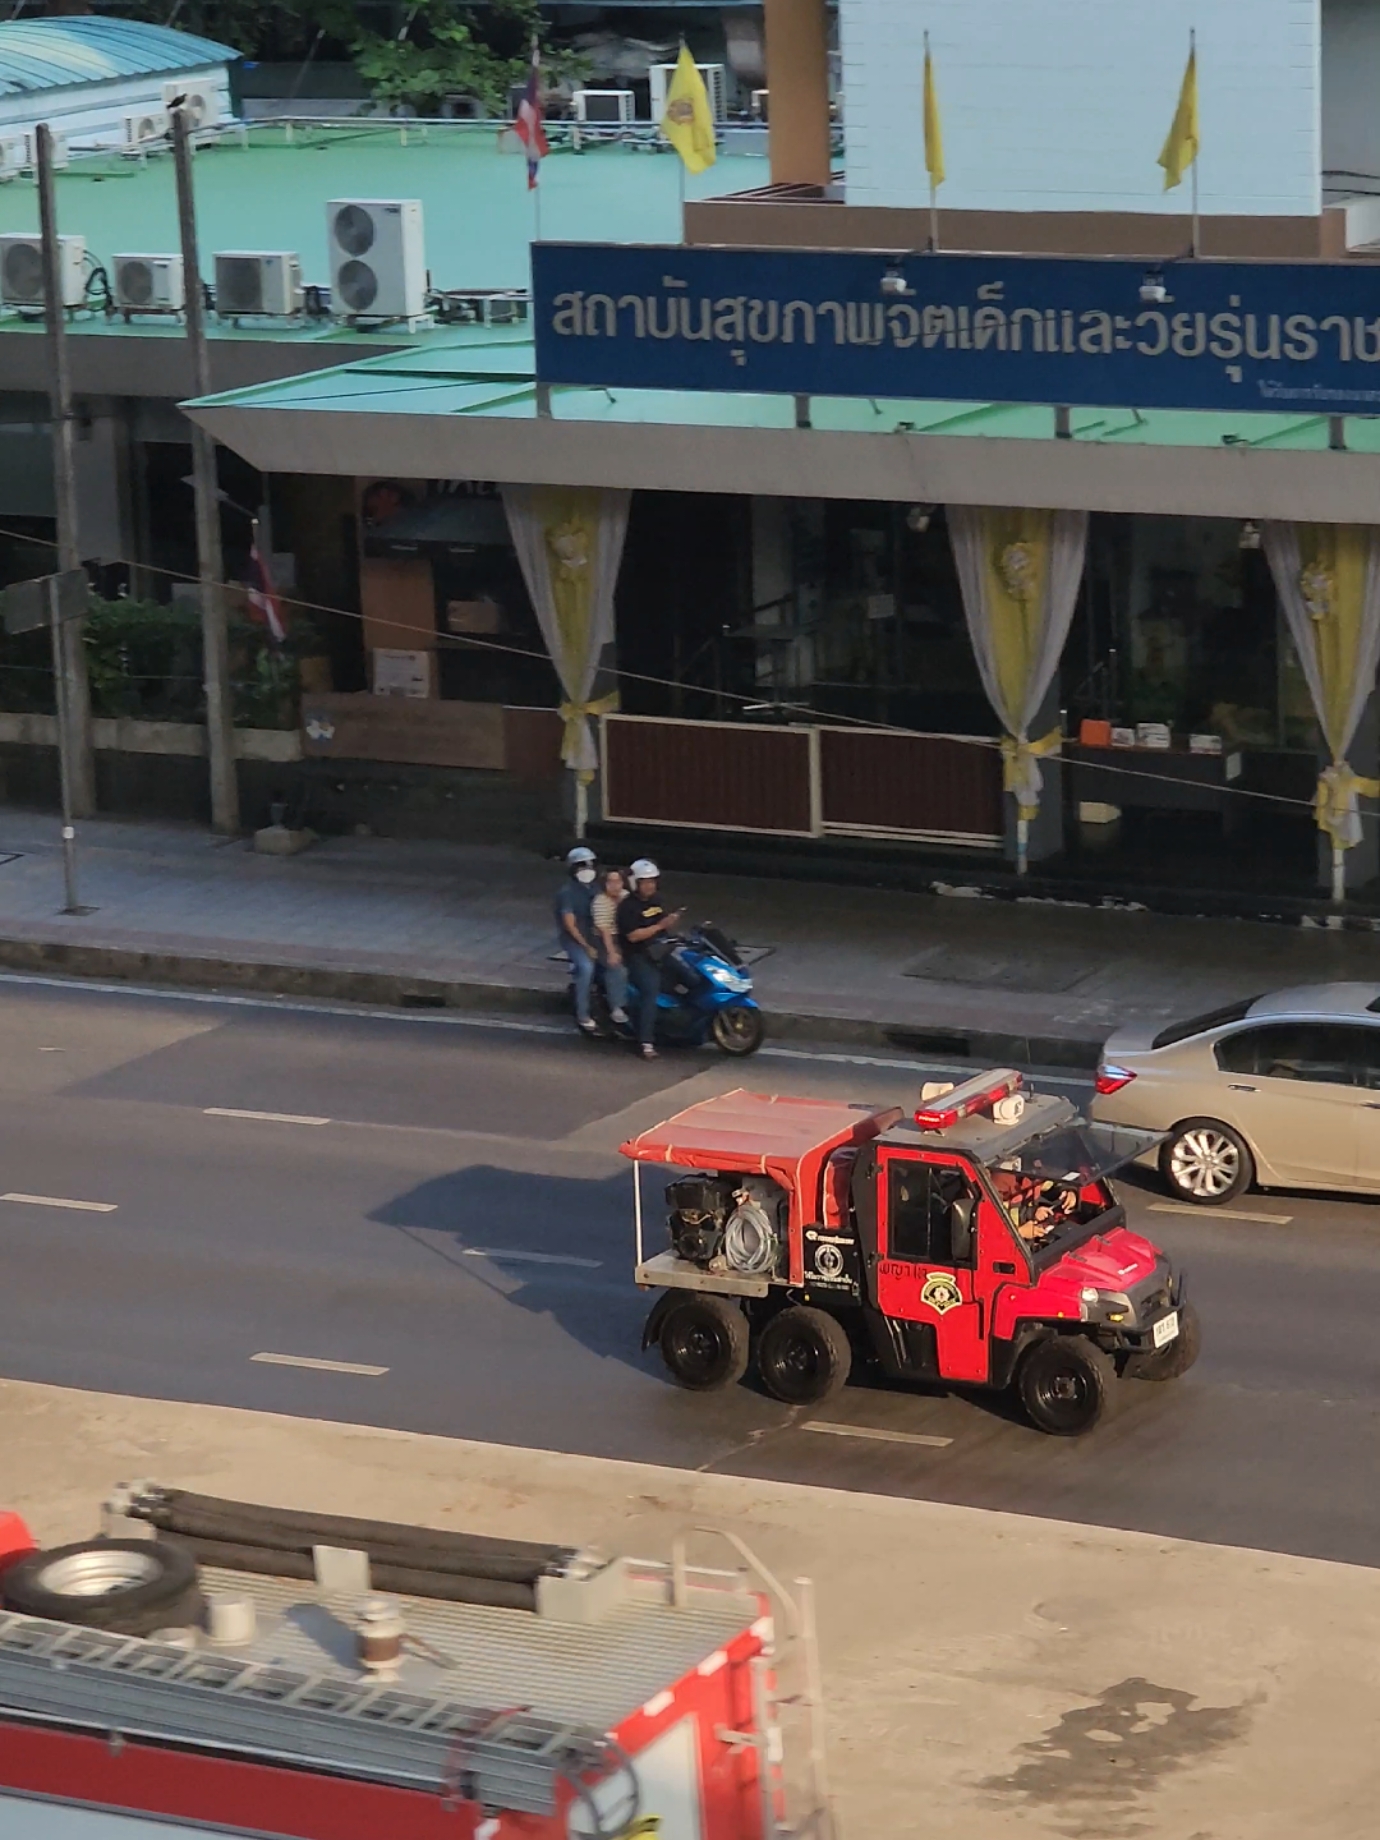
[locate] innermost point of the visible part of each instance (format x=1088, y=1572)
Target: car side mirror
x=961, y=1228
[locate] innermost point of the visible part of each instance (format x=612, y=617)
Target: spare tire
x=131, y=1587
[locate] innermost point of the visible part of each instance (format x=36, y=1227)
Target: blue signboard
x=1270, y=336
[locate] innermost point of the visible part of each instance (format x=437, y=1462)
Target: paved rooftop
x=272, y=194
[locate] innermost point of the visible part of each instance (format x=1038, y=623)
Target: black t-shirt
x=634, y=912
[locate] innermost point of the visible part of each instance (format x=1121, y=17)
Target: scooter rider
x=643, y=919
x=574, y=902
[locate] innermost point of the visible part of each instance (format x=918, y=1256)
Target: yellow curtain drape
x=1016, y=570
x=1334, y=579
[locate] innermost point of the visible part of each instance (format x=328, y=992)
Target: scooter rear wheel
x=738, y=1029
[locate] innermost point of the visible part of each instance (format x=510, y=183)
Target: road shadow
x=556, y=1246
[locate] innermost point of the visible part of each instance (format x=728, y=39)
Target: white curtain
x=569, y=543
x=1019, y=571
x=1328, y=580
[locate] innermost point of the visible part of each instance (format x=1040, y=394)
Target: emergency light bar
x=976, y=1095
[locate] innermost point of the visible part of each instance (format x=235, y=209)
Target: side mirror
x=961, y=1229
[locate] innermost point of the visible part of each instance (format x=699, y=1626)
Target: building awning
x=470, y=411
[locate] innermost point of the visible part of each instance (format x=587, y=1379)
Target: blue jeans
x=616, y=985
x=645, y=978
x=582, y=968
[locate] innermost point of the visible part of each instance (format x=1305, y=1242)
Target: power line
x=807, y=715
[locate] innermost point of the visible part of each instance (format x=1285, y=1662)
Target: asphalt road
x=435, y=1210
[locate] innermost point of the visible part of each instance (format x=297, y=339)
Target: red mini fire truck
x=977, y=1242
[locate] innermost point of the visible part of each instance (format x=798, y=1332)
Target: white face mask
x=584, y=875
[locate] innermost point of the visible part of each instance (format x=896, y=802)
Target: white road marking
x=1218, y=1213
x=875, y=1432
x=59, y=1201
x=528, y=1258
x=229, y=1111
x=1078, y=1082
x=325, y=1367
x=464, y=1019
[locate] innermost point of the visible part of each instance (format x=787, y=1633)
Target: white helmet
x=645, y=870
x=580, y=854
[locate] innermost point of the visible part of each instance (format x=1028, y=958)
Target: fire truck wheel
x=704, y=1343
x=1175, y=1360
x=803, y=1356
x=1067, y=1385
x=132, y=1587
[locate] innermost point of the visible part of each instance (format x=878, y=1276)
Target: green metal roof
x=43, y=54
x=483, y=374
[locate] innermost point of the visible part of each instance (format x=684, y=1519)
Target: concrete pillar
x=797, y=33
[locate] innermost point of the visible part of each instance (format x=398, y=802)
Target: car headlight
x=1088, y=1295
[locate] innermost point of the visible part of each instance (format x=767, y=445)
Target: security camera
x=895, y=284
x=1153, y=291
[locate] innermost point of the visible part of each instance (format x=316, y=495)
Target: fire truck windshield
x=1058, y=1180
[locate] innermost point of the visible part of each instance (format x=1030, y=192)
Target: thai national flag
x=264, y=602
x=530, y=126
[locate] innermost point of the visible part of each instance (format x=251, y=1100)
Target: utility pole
x=220, y=728
x=71, y=687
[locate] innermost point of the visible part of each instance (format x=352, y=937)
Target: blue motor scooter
x=706, y=995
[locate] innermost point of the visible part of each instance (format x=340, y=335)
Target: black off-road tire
x=131, y=1587
x=1206, y=1163
x=803, y=1356
x=1067, y=1385
x=704, y=1343
x=738, y=1029
x=1173, y=1362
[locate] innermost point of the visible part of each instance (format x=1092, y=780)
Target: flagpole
x=934, y=189
x=1193, y=54
x=680, y=168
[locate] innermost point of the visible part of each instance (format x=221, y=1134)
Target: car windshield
x=1199, y=1025
x=1056, y=1182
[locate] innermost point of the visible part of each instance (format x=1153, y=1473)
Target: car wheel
x=1173, y=1362
x=133, y=1587
x=1067, y=1385
x=1206, y=1162
x=803, y=1356
x=704, y=1343
x=738, y=1028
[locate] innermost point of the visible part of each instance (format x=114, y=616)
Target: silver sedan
x=1282, y=1090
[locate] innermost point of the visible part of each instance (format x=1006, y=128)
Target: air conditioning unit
x=61, y=152
x=200, y=103
x=715, y=81
x=378, y=258
x=760, y=98
x=14, y=156
x=148, y=284
x=147, y=128
x=605, y=107
x=21, y=270
x=257, y=281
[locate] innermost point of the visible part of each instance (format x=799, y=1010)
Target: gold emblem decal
x=941, y=1293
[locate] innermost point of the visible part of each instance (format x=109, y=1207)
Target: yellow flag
x=689, y=121
x=1181, y=148
x=934, y=138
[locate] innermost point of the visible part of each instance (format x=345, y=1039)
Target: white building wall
x=1063, y=105
x=92, y=115
x=1350, y=92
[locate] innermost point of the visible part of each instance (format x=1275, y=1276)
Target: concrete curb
x=396, y=990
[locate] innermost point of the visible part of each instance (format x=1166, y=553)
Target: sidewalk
x=373, y=920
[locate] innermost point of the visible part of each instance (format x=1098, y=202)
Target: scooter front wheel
x=738, y=1028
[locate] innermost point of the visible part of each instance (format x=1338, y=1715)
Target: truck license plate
x=1166, y=1329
